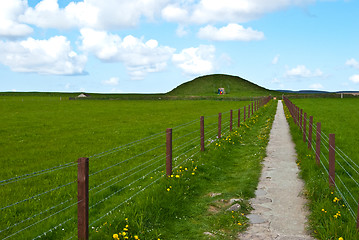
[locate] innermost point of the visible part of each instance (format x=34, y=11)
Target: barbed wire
x=38, y=214
x=42, y=219
x=34, y=174
x=159, y=156
x=119, y=148
x=113, y=209
x=126, y=160
x=54, y=228
x=126, y=177
x=38, y=195
x=176, y=139
x=185, y=124
x=114, y=193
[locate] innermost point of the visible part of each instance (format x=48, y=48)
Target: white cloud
x=316, y=86
x=174, y=13
x=354, y=78
x=52, y=56
x=213, y=11
x=196, y=61
x=352, y=63
x=104, y=14
x=9, y=23
x=275, y=59
x=112, y=81
x=302, y=71
x=181, y=31
x=231, y=32
x=139, y=57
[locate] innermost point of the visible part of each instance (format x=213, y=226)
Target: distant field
x=339, y=116
x=43, y=132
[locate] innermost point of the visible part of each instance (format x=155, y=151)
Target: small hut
x=221, y=91
x=83, y=95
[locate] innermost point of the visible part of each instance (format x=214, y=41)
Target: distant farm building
x=83, y=95
x=221, y=91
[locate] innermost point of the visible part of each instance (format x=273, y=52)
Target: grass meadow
x=42, y=138
x=333, y=211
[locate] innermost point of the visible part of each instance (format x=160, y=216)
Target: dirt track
x=279, y=208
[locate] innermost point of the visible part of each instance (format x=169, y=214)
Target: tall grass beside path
x=193, y=203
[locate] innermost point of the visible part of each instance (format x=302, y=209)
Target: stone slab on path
x=279, y=208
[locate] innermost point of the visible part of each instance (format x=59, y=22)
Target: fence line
x=181, y=150
x=342, y=187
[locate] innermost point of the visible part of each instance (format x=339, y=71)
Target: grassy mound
x=208, y=86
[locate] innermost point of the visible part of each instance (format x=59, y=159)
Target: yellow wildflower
x=136, y=237
x=115, y=236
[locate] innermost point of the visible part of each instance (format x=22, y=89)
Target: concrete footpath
x=279, y=208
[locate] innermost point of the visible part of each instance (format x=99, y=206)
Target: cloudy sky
x=151, y=46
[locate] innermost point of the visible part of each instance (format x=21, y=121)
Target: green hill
x=208, y=86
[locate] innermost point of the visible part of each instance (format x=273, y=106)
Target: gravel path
x=279, y=208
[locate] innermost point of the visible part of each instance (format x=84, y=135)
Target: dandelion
x=168, y=189
x=124, y=233
x=240, y=224
x=177, y=176
x=323, y=210
x=125, y=229
x=115, y=236
x=193, y=173
x=340, y=238
x=136, y=237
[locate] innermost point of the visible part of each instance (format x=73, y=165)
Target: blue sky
x=152, y=46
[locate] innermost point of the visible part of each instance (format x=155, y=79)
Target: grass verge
x=193, y=203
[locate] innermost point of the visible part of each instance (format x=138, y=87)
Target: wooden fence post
x=169, y=151
x=83, y=198
x=244, y=114
x=231, y=121
x=332, y=160
x=239, y=117
x=305, y=127
x=310, y=132
x=317, y=144
x=301, y=119
x=202, y=133
x=219, y=124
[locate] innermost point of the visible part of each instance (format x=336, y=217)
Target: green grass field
x=43, y=132
x=333, y=211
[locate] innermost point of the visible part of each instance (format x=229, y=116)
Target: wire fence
x=117, y=176
x=345, y=179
